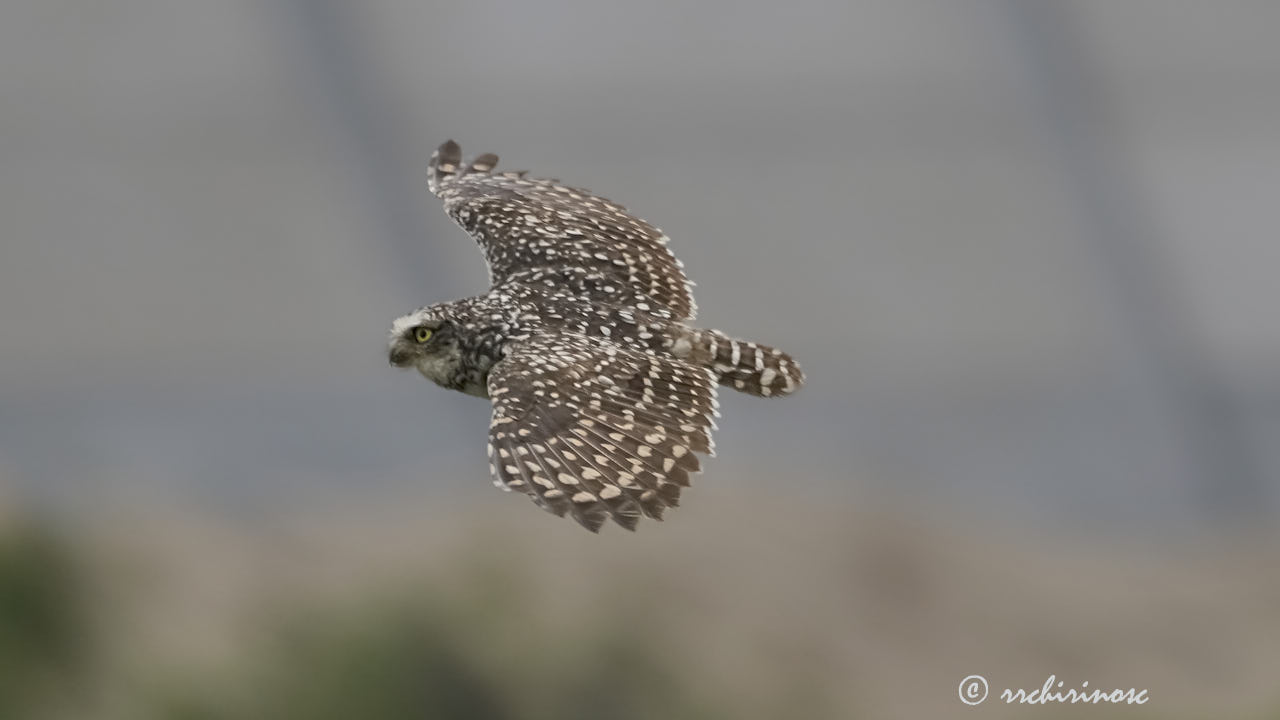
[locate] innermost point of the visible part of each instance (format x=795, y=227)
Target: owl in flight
x=603, y=393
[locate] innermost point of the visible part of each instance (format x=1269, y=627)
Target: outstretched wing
x=537, y=230
x=588, y=428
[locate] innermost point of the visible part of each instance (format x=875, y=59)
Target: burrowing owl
x=602, y=392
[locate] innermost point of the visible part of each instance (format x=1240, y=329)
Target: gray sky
x=211, y=213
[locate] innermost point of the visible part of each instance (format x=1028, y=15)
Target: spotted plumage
x=603, y=394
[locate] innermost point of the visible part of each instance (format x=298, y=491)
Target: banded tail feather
x=748, y=367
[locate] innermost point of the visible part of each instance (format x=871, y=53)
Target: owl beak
x=399, y=356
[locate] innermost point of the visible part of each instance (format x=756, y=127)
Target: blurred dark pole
x=1072, y=101
x=340, y=73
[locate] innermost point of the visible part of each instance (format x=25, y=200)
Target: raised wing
x=537, y=230
x=588, y=428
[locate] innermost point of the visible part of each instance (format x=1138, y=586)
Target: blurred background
x=1026, y=252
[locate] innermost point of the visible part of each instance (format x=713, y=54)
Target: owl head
x=426, y=339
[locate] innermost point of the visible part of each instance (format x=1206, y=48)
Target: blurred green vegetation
x=482, y=645
x=474, y=649
x=44, y=645
x=443, y=654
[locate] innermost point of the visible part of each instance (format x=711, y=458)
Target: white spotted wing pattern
x=588, y=428
x=533, y=230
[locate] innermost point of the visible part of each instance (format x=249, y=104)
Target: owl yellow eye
x=422, y=334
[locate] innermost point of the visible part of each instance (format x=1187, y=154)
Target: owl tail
x=748, y=367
